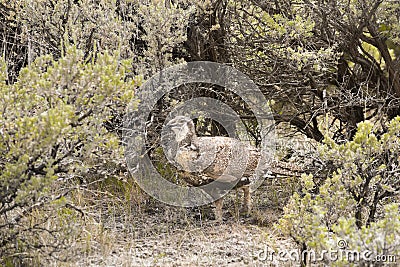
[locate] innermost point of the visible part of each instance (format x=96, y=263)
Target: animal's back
x=229, y=153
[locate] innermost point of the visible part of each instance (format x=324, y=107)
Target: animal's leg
x=218, y=209
x=247, y=199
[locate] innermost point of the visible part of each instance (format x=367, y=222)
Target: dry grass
x=127, y=228
x=228, y=244
x=113, y=223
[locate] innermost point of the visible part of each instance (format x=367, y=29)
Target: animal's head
x=183, y=128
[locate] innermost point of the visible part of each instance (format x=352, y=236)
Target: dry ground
x=160, y=235
x=158, y=243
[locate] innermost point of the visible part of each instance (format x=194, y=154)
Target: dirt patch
x=161, y=235
x=176, y=237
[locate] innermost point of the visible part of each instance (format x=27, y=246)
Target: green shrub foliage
x=53, y=127
x=358, y=203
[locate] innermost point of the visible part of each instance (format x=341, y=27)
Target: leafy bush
x=56, y=124
x=148, y=32
x=358, y=203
